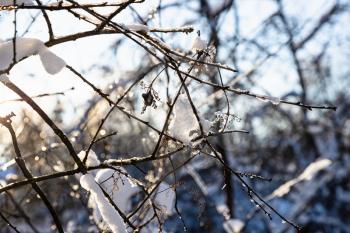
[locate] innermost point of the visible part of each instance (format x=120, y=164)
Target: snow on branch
x=26, y=47
x=90, y=159
x=308, y=174
x=108, y=213
x=199, y=44
x=137, y=27
x=120, y=188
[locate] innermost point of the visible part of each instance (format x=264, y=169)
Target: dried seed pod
x=148, y=98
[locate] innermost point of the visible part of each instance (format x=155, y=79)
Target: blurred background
x=293, y=50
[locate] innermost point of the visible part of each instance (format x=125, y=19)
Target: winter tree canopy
x=174, y=116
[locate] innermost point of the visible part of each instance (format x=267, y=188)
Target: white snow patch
x=26, y=47
x=91, y=160
x=121, y=1
x=51, y=62
x=271, y=99
x=108, y=213
x=206, y=124
x=184, y=120
x=137, y=27
x=233, y=225
x=198, y=45
x=165, y=198
x=184, y=123
x=118, y=186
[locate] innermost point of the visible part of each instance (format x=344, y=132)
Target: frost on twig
x=26, y=47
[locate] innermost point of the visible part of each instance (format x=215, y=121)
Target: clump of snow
x=206, y=124
x=198, y=44
x=185, y=124
x=18, y=2
x=274, y=100
x=51, y=62
x=121, y=1
x=91, y=160
x=233, y=225
x=118, y=186
x=271, y=99
x=137, y=27
x=309, y=172
x=184, y=120
x=165, y=199
x=108, y=213
x=26, y=47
